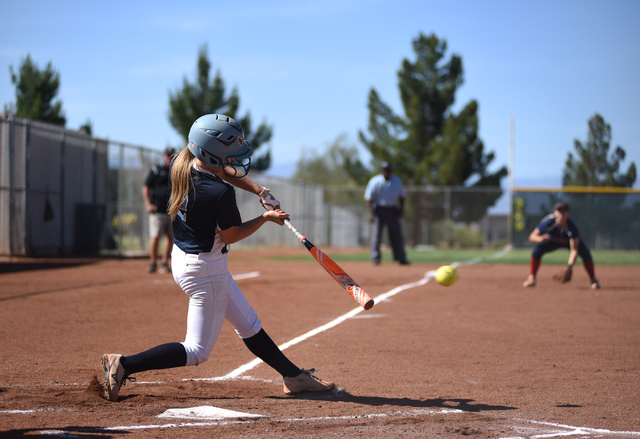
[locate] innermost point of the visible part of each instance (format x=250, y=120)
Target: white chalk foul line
x=570, y=430
x=244, y=368
x=427, y=277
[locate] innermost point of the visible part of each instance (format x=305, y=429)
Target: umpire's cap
x=561, y=206
x=386, y=166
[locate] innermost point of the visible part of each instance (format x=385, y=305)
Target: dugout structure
x=608, y=218
x=53, y=189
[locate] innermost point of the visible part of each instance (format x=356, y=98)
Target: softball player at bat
x=556, y=231
x=205, y=221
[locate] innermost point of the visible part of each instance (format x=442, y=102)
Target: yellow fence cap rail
x=580, y=189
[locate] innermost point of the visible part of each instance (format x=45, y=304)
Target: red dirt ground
x=483, y=358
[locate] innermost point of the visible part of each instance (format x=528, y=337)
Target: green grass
x=518, y=256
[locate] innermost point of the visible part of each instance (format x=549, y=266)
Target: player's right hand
x=276, y=216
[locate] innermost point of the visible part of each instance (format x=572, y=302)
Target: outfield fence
x=53, y=189
x=63, y=192
x=608, y=218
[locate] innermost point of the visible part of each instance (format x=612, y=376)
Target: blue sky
x=306, y=67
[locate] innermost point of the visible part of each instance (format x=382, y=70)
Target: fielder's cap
x=561, y=206
x=385, y=165
x=170, y=152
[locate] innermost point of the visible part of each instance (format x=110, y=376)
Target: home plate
x=205, y=412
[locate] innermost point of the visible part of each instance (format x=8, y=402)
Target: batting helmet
x=218, y=141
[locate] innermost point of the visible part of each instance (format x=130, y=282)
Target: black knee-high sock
x=164, y=356
x=264, y=348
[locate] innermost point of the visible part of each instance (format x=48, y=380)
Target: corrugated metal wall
x=53, y=190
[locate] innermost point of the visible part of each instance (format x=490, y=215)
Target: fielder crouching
x=556, y=231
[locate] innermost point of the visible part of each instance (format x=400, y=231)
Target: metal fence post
x=447, y=213
x=120, y=197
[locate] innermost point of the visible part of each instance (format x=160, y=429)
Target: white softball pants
x=213, y=297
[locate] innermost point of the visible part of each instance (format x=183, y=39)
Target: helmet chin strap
x=199, y=163
x=228, y=170
x=232, y=171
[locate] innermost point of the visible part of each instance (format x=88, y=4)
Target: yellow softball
x=446, y=275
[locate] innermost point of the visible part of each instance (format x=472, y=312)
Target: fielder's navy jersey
x=211, y=204
x=549, y=227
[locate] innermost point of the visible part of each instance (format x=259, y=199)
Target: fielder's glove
x=563, y=275
x=267, y=200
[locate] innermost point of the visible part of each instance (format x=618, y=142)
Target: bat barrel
x=334, y=270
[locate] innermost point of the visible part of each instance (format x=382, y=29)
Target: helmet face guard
x=218, y=142
x=239, y=166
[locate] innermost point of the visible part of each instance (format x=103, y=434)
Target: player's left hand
x=563, y=275
x=268, y=201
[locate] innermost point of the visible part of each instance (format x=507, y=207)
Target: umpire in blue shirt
x=385, y=196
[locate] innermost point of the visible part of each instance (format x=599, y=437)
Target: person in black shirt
x=155, y=193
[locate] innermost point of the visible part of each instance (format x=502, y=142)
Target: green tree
x=36, y=90
x=429, y=144
x=207, y=96
x=326, y=166
x=592, y=165
x=87, y=127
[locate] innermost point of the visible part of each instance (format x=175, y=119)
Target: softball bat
x=334, y=270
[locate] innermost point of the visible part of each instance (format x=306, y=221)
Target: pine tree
x=36, y=90
x=207, y=96
x=429, y=144
x=592, y=165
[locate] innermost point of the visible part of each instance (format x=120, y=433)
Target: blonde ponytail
x=181, y=180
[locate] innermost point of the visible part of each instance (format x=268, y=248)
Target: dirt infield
x=483, y=358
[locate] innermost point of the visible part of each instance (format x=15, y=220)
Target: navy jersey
x=211, y=204
x=158, y=183
x=549, y=227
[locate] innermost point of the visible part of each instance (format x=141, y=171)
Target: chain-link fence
x=328, y=216
x=63, y=192
x=433, y=217
x=127, y=219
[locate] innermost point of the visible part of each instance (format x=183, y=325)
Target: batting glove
x=267, y=200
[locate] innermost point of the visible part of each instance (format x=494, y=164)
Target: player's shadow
x=18, y=267
x=467, y=405
x=79, y=432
